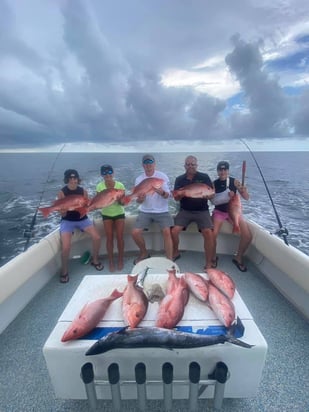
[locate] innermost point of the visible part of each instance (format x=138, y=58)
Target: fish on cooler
x=222, y=306
x=197, y=285
x=134, y=303
x=222, y=281
x=172, y=306
x=89, y=317
x=154, y=337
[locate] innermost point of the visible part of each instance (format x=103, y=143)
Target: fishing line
x=282, y=231
x=29, y=232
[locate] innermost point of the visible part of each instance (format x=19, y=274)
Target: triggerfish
x=89, y=317
x=152, y=337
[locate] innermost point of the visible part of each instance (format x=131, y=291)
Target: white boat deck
x=25, y=384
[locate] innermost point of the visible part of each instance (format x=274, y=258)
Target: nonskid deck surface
x=24, y=379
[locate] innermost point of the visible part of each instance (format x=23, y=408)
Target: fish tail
x=45, y=211
x=126, y=199
x=116, y=294
x=238, y=342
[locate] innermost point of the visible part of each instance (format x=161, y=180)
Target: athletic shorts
x=217, y=214
x=105, y=217
x=200, y=217
x=144, y=220
x=68, y=226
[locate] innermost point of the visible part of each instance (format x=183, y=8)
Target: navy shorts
x=68, y=226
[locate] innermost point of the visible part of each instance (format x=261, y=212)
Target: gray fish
x=152, y=337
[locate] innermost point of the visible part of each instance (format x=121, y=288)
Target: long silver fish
x=152, y=337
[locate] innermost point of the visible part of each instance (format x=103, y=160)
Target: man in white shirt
x=153, y=208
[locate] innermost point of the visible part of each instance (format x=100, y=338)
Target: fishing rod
x=282, y=231
x=28, y=233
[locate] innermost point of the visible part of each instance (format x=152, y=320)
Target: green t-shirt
x=115, y=209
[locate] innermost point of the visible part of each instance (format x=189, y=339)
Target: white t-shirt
x=155, y=203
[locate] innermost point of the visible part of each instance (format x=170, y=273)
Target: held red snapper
x=72, y=202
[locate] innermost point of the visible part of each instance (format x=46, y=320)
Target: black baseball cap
x=106, y=169
x=223, y=165
x=71, y=173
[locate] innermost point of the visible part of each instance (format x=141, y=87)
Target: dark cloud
x=100, y=78
x=265, y=101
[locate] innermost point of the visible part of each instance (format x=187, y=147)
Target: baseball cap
x=107, y=169
x=223, y=165
x=148, y=157
x=71, y=173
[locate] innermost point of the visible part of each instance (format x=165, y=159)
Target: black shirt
x=73, y=215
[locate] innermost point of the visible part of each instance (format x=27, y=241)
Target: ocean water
x=29, y=180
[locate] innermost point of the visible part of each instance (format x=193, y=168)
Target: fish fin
x=237, y=329
x=126, y=200
x=45, y=211
x=116, y=294
x=82, y=211
x=238, y=342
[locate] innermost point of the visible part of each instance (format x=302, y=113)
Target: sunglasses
x=107, y=172
x=148, y=162
x=191, y=164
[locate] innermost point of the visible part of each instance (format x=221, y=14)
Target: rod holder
x=114, y=378
x=87, y=376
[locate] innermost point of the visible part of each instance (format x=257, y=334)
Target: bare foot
x=120, y=265
x=111, y=267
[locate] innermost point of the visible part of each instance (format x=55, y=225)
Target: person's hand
x=231, y=194
x=141, y=198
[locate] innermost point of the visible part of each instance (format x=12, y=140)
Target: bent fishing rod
x=282, y=230
x=29, y=232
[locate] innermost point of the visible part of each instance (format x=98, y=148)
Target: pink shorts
x=217, y=214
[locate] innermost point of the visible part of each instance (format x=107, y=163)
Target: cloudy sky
x=116, y=72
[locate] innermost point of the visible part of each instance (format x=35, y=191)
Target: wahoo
x=72, y=202
x=194, y=190
x=145, y=187
x=105, y=198
x=152, y=337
